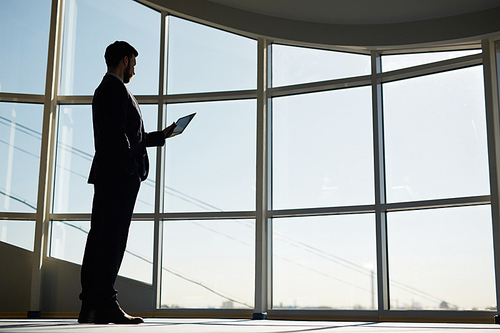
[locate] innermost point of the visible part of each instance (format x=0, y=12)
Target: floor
x=154, y=325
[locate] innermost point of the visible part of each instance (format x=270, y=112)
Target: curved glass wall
x=362, y=157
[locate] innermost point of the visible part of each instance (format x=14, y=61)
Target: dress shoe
x=87, y=315
x=115, y=316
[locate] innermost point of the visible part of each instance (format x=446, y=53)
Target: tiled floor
x=233, y=326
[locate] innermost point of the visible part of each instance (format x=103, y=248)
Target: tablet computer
x=182, y=124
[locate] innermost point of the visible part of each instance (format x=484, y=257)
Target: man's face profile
x=129, y=70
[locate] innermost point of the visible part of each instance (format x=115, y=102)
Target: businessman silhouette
x=120, y=164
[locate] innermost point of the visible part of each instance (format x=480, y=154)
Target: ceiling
x=354, y=25
x=360, y=11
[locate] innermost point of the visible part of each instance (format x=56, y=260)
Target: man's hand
x=169, y=130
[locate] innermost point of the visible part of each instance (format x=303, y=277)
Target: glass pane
x=145, y=202
x=293, y=65
x=202, y=59
x=75, y=150
x=322, y=149
x=68, y=239
x=398, y=61
x=441, y=259
x=138, y=259
x=208, y=264
x=326, y=262
x=18, y=233
x=211, y=166
x=25, y=26
x=90, y=26
x=435, y=136
x=20, y=144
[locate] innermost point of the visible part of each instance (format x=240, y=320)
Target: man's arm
x=155, y=139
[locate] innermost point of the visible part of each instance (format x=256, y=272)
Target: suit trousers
x=114, y=199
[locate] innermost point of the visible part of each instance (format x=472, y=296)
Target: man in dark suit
x=120, y=164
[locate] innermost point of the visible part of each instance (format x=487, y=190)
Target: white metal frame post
x=491, y=91
x=160, y=165
x=379, y=177
x=47, y=155
x=263, y=224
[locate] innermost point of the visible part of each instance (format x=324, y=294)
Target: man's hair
x=117, y=51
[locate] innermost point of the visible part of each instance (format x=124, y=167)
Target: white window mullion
x=380, y=197
x=263, y=253
x=491, y=54
x=47, y=154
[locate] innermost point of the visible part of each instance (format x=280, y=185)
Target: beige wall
x=15, y=278
x=60, y=286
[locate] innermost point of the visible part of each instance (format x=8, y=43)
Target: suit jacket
x=119, y=137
